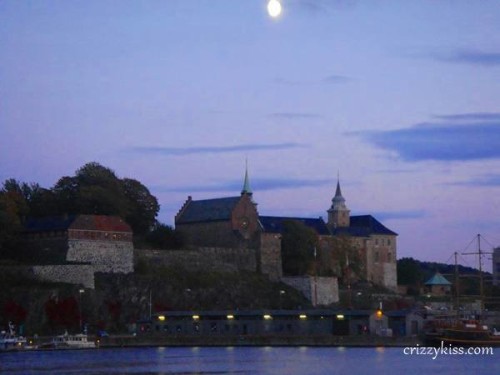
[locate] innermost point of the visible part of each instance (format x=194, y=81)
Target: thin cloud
x=181, y=151
x=469, y=56
x=295, y=115
x=491, y=180
x=335, y=79
x=474, y=116
x=257, y=184
x=442, y=141
x=400, y=215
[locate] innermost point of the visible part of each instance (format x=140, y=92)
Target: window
x=376, y=256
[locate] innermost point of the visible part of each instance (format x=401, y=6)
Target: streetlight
x=80, y=292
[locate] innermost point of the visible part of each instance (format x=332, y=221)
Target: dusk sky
x=400, y=98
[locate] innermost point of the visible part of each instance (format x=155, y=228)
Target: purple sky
x=402, y=98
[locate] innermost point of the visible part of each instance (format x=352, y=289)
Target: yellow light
x=274, y=8
x=340, y=317
x=302, y=316
x=161, y=317
x=196, y=317
x=267, y=317
x=379, y=314
x=230, y=317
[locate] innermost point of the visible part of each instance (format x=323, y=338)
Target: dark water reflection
x=244, y=360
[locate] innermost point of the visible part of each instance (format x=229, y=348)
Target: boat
x=469, y=333
x=456, y=331
x=67, y=341
x=10, y=341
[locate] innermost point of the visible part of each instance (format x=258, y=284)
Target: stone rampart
x=105, y=256
x=67, y=273
x=79, y=274
x=321, y=291
x=202, y=259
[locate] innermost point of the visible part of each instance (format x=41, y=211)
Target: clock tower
x=338, y=214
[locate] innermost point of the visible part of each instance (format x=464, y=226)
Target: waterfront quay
x=251, y=340
x=318, y=327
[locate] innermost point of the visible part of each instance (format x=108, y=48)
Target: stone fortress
x=234, y=223
x=222, y=234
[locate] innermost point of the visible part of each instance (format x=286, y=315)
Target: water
x=245, y=360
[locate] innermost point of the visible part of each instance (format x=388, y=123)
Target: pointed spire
x=246, y=183
x=338, y=193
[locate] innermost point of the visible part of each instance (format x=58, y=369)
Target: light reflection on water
x=242, y=360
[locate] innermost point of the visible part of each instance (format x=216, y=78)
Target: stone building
x=74, y=247
x=234, y=222
x=375, y=243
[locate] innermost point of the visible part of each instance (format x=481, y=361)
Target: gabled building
x=72, y=248
x=221, y=222
x=234, y=222
x=376, y=244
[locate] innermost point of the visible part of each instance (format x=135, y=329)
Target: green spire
x=246, y=184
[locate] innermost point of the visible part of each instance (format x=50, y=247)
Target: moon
x=274, y=8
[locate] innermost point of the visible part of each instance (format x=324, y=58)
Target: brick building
x=234, y=222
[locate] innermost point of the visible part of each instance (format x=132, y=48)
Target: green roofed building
x=437, y=285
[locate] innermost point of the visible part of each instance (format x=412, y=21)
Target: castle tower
x=338, y=214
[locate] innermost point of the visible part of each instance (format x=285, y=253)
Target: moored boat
x=10, y=341
x=67, y=341
x=464, y=334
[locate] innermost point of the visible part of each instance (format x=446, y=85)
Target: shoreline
x=318, y=341
x=130, y=341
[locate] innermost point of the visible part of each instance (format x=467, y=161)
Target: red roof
x=100, y=223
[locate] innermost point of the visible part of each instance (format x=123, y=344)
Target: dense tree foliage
x=94, y=189
x=298, y=245
x=164, y=237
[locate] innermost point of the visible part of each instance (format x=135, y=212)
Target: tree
x=142, y=206
x=409, y=272
x=342, y=258
x=164, y=237
x=96, y=189
x=298, y=244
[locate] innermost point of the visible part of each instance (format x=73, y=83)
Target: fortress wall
x=321, y=291
x=205, y=258
x=105, y=256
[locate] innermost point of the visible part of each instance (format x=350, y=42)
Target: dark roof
x=82, y=222
x=364, y=226
x=49, y=223
x=218, y=209
x=101, y=223
x=274, y=224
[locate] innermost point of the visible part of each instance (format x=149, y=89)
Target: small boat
x=11, y=341
x=67, y=341
x=469, y=333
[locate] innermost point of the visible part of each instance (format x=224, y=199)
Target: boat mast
x=480, y=253
x=457, y=286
